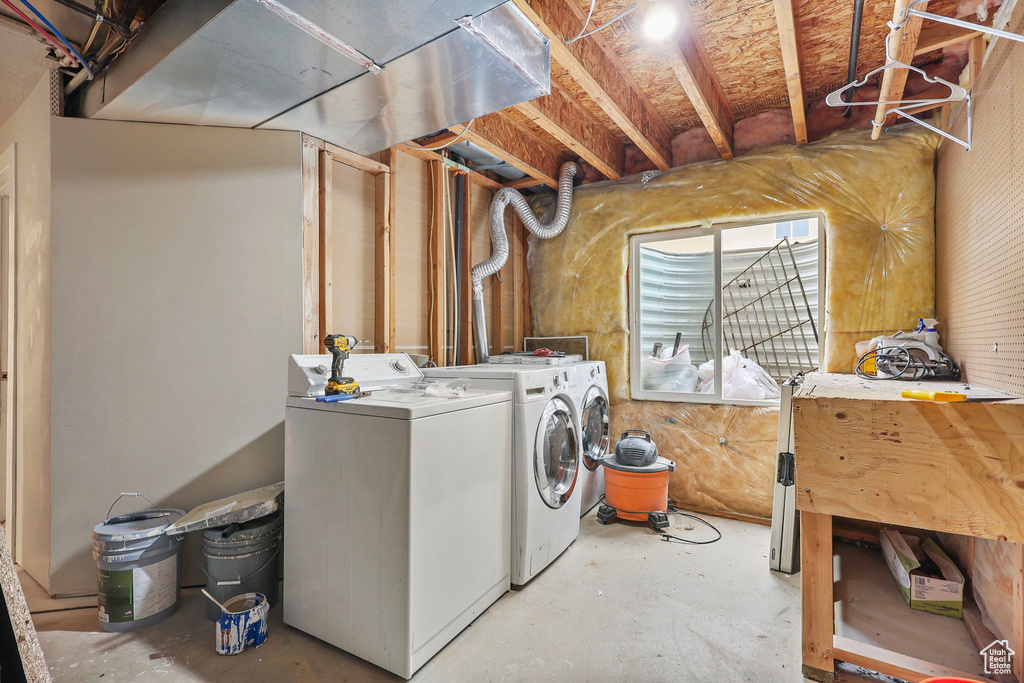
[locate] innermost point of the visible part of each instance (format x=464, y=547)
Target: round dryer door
x=556, y=454
x=594, y=427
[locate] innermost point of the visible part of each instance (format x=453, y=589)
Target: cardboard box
x=940, y=592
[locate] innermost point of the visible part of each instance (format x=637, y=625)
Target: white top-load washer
x=545, y=458
x=397, y=510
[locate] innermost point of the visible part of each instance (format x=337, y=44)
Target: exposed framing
x=385, y=197
x=785, y=19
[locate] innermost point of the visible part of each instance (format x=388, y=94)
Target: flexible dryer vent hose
x=499, y=243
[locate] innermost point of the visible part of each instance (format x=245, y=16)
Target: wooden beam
x=975, y=58
x=523, y=182
x=326, y=188
x=891, y=663
x=575, y=127
x=693, y=69
x=343, y=156
x=508, y=140
x=936, y=36
x=593, y=64
x=1017, y=645
x=384, y=255
x=465, y=280
x=902, y=45
x=817, y=601
x=785, y=19
x=436, y=262
x=310, y=245
x=475, y=177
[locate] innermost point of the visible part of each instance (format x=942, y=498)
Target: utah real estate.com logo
x=998, y=658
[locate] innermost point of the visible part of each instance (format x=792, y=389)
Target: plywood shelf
x=870, y=609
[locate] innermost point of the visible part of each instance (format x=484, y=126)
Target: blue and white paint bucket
x=242, y=623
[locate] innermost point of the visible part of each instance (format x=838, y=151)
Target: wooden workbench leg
x=817, y=598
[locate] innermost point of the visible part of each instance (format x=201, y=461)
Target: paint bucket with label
x=138, y=568
x=242, y=623
x=242, y=558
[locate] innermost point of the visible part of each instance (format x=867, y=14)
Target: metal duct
x=236, y=63
x=499, y=243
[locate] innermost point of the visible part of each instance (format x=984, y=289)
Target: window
x=745, y=294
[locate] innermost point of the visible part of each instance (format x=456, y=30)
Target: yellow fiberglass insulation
x=877, y=198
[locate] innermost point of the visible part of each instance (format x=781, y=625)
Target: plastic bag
x=669, y=373
x=742, y=378
x=444, y=388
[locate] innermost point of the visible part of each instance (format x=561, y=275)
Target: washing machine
x=546, y=457
x=592, y=405
x=397, y=510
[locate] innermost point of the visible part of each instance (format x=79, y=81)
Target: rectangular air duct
x=238, y=64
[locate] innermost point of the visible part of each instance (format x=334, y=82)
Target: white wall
x=28, y=130
x=176, y=300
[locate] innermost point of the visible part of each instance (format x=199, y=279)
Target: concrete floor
x=620, y=604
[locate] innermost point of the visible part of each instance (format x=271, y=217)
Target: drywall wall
x=877, y=198
x=979, y=233
x=28, y=131
x=176, y=298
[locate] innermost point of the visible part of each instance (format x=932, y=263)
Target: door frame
x=8, y=280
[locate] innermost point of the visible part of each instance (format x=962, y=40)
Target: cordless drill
x=340, y=345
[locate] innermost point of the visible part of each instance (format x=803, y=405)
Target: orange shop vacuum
x=636, y=482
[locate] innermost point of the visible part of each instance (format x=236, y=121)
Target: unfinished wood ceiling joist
x=421, y=152
x=695, y=73
x=500, y=136
x=575, y=127
x=600, y=73
x=790, y=43
x=937, y=36
x=902, y=43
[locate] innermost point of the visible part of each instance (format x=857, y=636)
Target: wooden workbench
x=865, y=453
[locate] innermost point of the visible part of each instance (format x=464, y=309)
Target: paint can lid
x=136, y=525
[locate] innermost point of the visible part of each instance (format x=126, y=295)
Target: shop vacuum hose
x=499, y=243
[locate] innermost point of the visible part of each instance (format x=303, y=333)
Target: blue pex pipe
x=60, y=37
x=336, y=398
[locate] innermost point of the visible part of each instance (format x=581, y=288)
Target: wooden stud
x=593, y=64
x=466, y=280
x=936, y=36
x=975, y=58
x=498, y=307
x=310, y=245
x=354, y=160
x=508, y=140
x=384, y=255
x=693, y=69
x=475, y=177
x=518, y=273
x=785, y=19
x=575, y=127
x=527, y=330
x=436, y=255
x=817, y=602
x=326, y=187
x=902, y=45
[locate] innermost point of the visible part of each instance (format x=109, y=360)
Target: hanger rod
x=966, y=24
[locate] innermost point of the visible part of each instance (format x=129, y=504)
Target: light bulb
x=660, y=21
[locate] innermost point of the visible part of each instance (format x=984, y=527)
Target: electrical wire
x=590, y=15
x=447, y=144
x=604, y=25
x=24, y=17
x=899, y=362
x=95, y=29
x=58, y=34
x=679, y=539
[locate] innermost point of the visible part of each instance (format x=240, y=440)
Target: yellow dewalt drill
x=340, y=345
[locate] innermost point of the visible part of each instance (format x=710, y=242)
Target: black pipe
x=851, y=69
x=121, y=29
x=460, y=253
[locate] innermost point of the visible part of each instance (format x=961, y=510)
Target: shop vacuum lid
x=636, y=452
